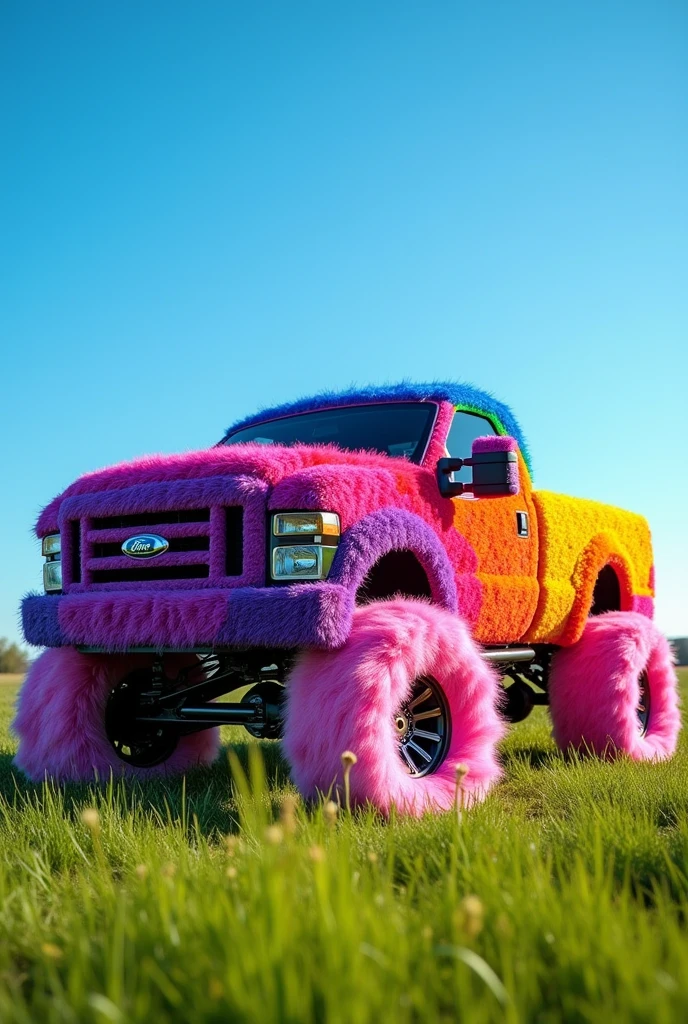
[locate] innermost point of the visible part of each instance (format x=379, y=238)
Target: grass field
x=563, y=897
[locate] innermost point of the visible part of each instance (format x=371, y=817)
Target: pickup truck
x=368, y=568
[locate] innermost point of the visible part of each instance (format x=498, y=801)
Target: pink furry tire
x=599, y=687
x=60, y=720
x=358, y=698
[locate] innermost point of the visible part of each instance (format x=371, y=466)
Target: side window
x=466, y=426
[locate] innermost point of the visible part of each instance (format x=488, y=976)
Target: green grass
x=184, y=904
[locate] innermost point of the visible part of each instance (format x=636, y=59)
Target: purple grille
x=215, y=529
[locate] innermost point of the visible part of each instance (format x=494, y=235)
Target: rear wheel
x=615, y=690
x=411, y=696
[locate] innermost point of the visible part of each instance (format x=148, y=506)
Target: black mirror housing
x=495, y=470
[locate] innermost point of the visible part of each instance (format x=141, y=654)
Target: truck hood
x=271, y=463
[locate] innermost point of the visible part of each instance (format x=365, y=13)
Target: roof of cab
x=464, y=395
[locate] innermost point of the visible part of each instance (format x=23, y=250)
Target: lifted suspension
x=147, y=714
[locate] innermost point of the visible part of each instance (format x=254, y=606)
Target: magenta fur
x=436, y=448
x=482, y=445
x=347, y=701
x=60, y=720
x=256, y=462
x=494, y=444
x=595, y=693
x=215, y=493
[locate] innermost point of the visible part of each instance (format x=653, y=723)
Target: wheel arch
x=384, y=533
x=603, y=555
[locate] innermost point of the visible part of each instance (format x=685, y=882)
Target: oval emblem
x=145, y=545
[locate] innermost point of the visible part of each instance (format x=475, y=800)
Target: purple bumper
x=316, y=615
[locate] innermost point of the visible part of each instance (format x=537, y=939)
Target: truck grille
x=206, y=542
x=194, y=535
x=187, y=558
x=151, y=519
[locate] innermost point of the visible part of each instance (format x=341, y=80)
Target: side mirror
x=495, y=470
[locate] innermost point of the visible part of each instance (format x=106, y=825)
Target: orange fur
x=507, y=563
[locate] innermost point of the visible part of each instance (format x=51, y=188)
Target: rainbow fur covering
x=507, y=587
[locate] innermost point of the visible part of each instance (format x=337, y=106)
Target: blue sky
x=209, y=207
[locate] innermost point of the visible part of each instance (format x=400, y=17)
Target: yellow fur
x=577, y=539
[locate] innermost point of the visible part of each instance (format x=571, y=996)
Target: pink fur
x=346, y=700
x=594, y=689
x=270, y=463
x=60, y=715
x=445, y=415
x=356, y=491
x=643, y=605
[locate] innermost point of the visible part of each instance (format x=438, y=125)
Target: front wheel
x=615, y=690
x=411, y=696
x=65, y=713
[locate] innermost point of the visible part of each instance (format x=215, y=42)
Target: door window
x=466, y=426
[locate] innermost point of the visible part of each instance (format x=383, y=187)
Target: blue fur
x=406, y=391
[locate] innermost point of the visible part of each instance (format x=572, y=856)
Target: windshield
x=399, y=429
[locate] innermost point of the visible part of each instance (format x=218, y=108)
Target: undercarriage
x=148, y=712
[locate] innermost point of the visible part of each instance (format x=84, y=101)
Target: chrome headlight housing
x=302, y=545
x=51, y=548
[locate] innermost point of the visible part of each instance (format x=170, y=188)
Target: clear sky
x=206, y=207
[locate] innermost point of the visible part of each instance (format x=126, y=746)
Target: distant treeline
x=680, y=645
x=12, y=658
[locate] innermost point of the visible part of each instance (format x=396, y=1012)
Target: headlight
x=52, y=570
x=51, y=545
x=316, y=535
x=52, y=577
x=290, y=524
x=305, y=562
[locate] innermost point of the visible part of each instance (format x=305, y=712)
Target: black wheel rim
x=140, y=745
x=643, y=709
x=423, y=725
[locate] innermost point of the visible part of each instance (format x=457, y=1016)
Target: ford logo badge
x=145, y=545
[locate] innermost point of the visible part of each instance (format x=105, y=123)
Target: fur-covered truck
x=370, y=564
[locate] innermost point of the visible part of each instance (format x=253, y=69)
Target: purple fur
x=170, y=530
x=317, y=615
x=394, y=530
x=643, y=605
x=303, y=615
x=215, y=493
x=40, y=618
x=512, y=480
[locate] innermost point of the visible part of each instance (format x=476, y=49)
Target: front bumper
x=314, y=615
